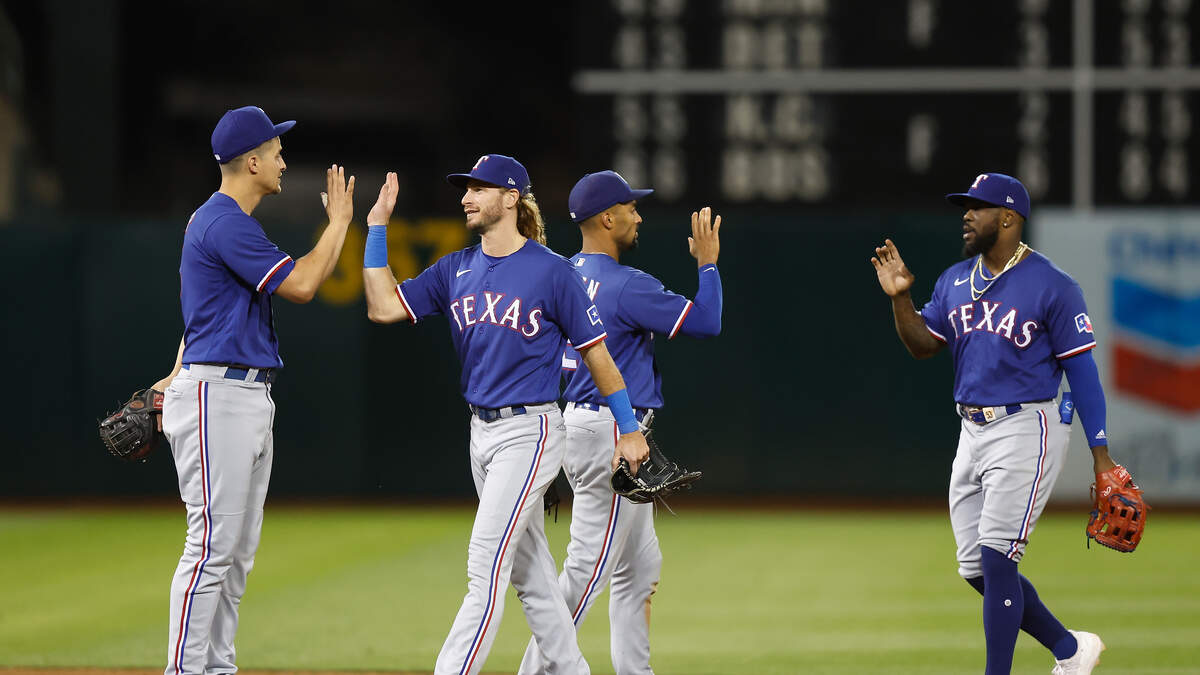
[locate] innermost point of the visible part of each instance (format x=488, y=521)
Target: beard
x=485, y=219
x=981, y=244
x=633, y=243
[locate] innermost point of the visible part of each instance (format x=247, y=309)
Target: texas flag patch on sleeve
x=1082, y=323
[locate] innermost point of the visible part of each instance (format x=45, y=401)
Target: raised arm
x=313, y=269
x=703, y=318
x=631, y=444
x=383, y=301
x=896, y=281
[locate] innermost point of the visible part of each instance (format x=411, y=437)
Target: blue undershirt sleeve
x=1088, y=395
x=704, y=319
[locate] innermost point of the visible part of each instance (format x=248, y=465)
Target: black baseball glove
x=131, y=433
x=656, y=479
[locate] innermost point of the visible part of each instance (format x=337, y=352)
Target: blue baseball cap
x=499, y=170
x=243, y=130
x=598, y=191
x=996, y=189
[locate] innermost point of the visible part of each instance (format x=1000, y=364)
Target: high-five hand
x=381, y=213
x=705, y=242
x=894, y=277
x=338, y=197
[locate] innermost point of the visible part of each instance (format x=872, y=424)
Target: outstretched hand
x=338, y=197
x=894, y=277
x=381, y=213
x=705, y=242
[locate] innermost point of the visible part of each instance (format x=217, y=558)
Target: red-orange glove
x=1119, y=517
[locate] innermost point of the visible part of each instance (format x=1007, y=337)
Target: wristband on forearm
x=622, y=411
x=375, y=254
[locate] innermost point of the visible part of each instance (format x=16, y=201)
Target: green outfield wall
x=807, y=388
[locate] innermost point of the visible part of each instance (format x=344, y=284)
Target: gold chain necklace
x=977, y=293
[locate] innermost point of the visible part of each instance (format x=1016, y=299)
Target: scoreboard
x=886, y=102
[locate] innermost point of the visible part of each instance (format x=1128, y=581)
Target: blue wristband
x=375, y=254
x=618, y=403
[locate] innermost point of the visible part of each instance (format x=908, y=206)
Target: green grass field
x=743, y=591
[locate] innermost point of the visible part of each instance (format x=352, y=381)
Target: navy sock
x=1038, y=621
x=1043, y=625
x=1003, y=609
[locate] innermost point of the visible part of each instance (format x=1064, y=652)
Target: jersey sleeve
x=243, y=247
x=1068, y=324
x=428, y=294
x=573, y=310
x=570, y=361
x=645, y=302
x=934, y=311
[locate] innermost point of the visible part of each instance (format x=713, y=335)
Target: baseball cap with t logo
x=499, y=170
x=996, y=189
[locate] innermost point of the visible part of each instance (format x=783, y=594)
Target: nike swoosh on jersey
x=960, y=282
x=460, y=273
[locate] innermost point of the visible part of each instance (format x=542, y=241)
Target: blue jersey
x=510, y=318
x=227, y=273
x=1007, y=345
x=634, y=305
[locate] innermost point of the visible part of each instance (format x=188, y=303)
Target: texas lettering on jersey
x=467, y=312
x=532, y=293
x=980, y=316
x=1032, y=316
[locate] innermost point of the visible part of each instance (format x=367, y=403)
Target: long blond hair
x=529, y=219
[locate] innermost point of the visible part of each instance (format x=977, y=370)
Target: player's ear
x=252, y=163
x=511, y=197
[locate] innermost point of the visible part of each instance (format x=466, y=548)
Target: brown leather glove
x=131, y=433
x=1119, y=517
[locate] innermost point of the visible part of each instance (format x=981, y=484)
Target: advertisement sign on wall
x=1140, y=274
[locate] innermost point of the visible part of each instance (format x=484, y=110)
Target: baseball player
x=613, y=538
x=217, y=410
x=1015, y=323
x=511, y=304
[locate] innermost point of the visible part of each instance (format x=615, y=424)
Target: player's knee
x=969, y=568
x=1010, y=549
x=653, y=566
x=479, y=560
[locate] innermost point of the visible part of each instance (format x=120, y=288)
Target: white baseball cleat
x=1086, y=656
